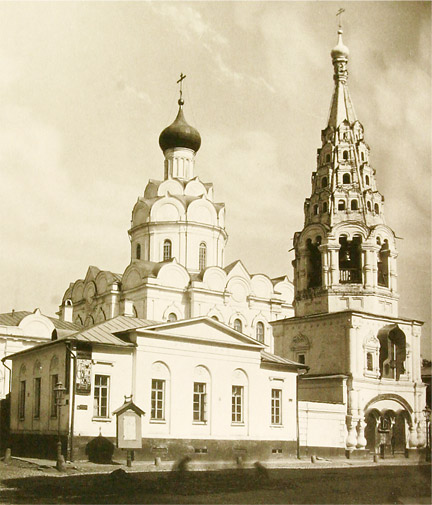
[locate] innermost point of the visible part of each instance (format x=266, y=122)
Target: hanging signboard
x=83, y=372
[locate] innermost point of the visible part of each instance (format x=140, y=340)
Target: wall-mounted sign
x=82, y=407
x=83, y=377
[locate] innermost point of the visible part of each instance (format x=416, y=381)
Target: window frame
x=154, y=409
x=22, y=400
x=202, y=256
x=53, y=401
x=167, y=250
x=276, y=407
x=260, y=324
x=237, y=321
x=97, y=390
x=237, y=404
x=199, y=403
x=37, y=397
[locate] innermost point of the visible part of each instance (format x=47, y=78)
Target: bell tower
x=345, y=256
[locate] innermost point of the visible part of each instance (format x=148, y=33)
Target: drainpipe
x=297, y=416
x=10, y=372
x=297, y=410
x=70, y=440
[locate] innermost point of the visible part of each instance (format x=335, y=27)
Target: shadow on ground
x=397, y=484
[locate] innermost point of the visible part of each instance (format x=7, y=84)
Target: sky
x=87, y=87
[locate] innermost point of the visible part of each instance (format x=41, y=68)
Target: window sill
x=371, y=375
x=238, y=424
x=157, y=421
x=276, y=426
x=101, y=419
x=199, y=423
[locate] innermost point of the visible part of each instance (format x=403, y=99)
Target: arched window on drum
x=202, y=256
x=259, y=332
x=167, y=250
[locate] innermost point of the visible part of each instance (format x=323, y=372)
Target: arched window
x=350, y=253
x=172, y=317
x=167, y=250
x=238, y=326
x=341, y=205
x=392, y=353
x=314, y=265
x=324, y=207
x=369, y=362
x=315, y=210
x=376, y=208
x=345, y=155
x=362, y=156
x=260, y=332
x=138, y=251
x=367, y=180
x=369, y=206
x=202, y=256
x=327, y=159
x=383, y=264
x=215, y=318
x=354, y=205
x=324, y=182
x=346, y=179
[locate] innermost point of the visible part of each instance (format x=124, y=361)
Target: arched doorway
x=385, y=431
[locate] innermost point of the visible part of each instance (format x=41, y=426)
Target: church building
x=177, y=268
x=346, y=327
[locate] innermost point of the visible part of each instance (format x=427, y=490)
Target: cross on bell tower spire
x=339, y=13
x=180, y=81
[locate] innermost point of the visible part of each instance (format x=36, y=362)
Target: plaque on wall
x=83, y=373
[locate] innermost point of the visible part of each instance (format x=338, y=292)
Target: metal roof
x=104, y=333
x=267, y=357
x=14, y=318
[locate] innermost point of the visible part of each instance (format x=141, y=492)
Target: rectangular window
x=301, y=358
x=101, y=396
x=237, y=404
x=276, y=406
x=37, y=398
x=200, y=402
x=158, y=399
x=21, y=400
x=53, y=403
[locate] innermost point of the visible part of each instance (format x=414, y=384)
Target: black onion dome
x=180, y=134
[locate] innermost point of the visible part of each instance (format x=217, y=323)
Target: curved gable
x=174, y=275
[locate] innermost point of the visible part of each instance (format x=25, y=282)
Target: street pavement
x=399, y=481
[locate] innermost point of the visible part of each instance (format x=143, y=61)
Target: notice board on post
x=129, y=433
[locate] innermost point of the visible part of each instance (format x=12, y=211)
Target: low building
x=206, y=390
x=21, y=330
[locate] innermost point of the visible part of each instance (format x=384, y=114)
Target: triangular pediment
x=237, y=269
x=91, y=273
x=202, y=329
